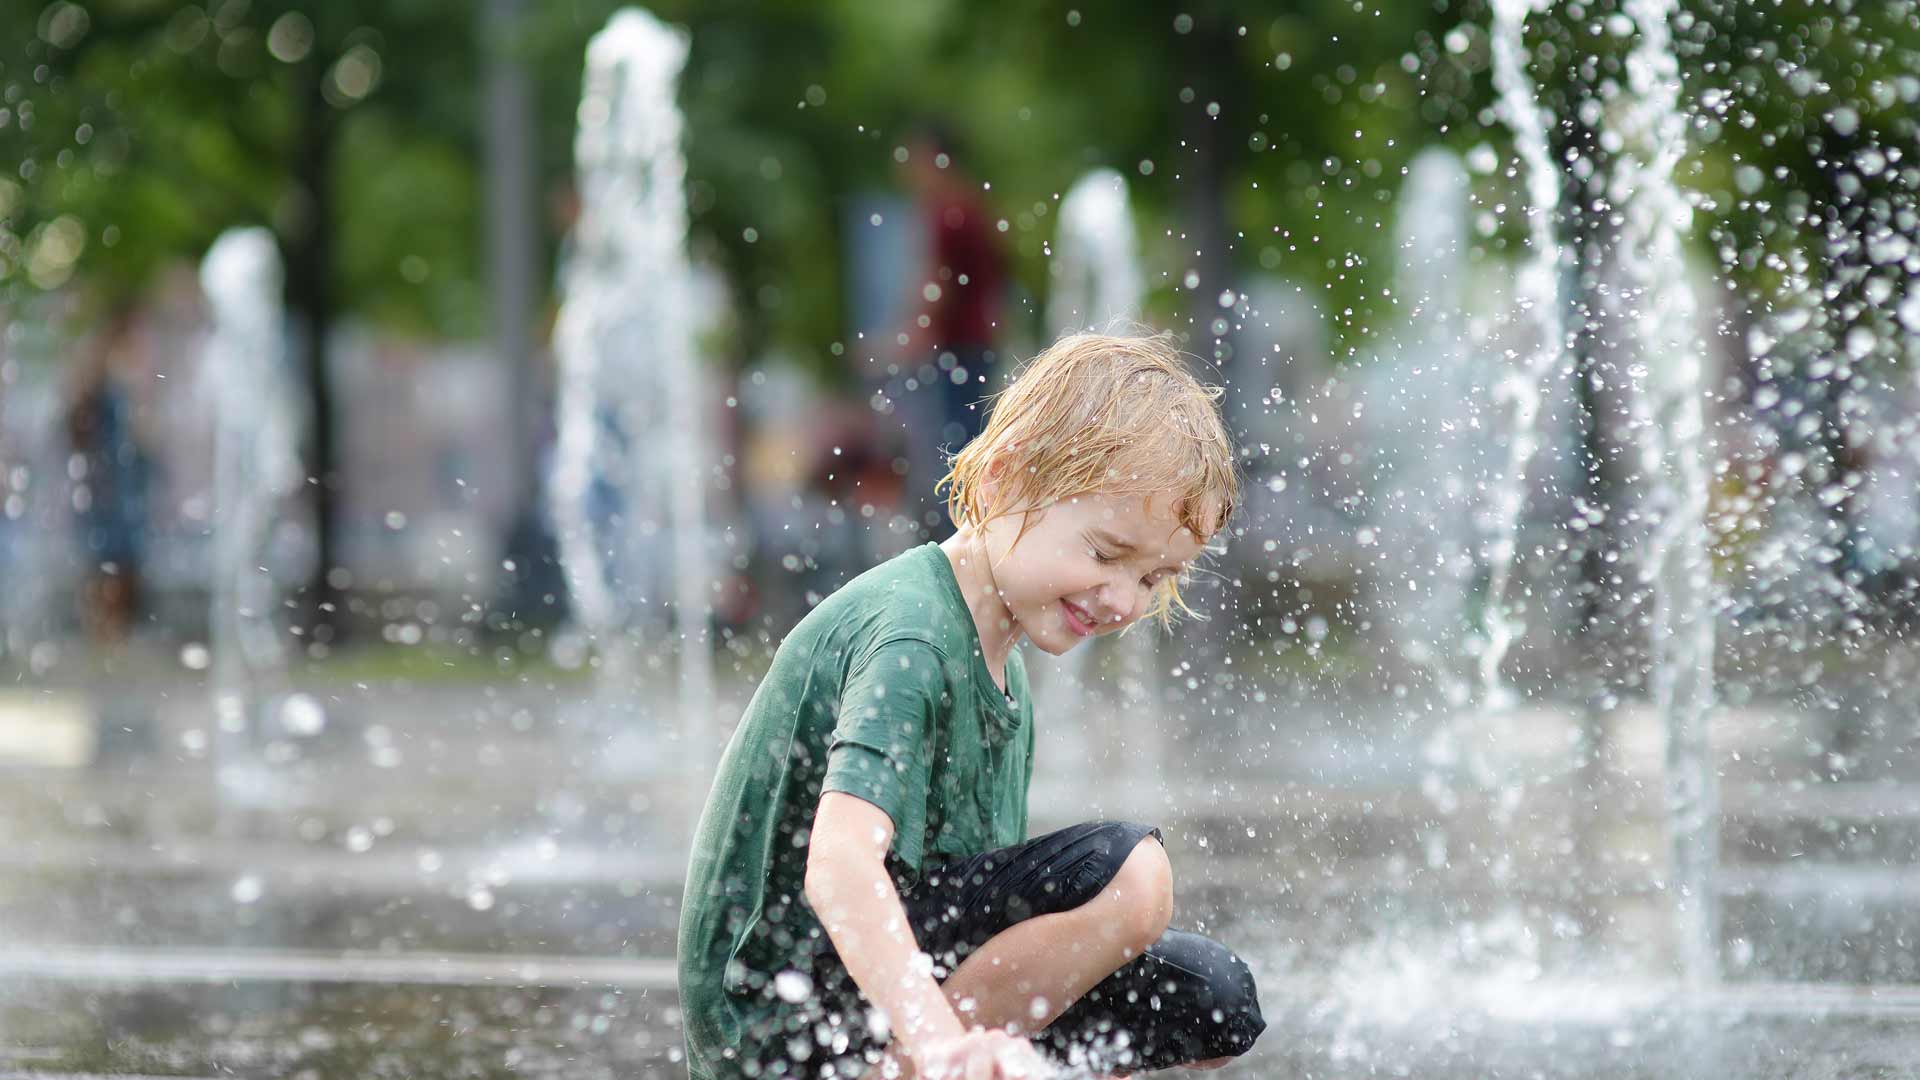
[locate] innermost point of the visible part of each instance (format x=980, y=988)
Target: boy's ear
x=991, y=481
x=998, y=464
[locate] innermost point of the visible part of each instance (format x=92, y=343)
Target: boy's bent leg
x=1189, y=999
x=1027, y=974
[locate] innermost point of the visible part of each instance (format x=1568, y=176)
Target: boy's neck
x=992, y=619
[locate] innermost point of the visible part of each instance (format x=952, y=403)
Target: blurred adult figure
x=950, y=339
x=110, y=471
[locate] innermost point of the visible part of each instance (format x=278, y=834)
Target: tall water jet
x=1658, y=218
x=257, y=422
x=1539, y=298
x=628, y=493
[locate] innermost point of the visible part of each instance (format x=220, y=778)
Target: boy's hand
x=982, y=1055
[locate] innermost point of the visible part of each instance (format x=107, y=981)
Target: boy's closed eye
x=1149, y=581
x=1106, y=557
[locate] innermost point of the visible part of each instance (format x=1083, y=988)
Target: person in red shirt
x=959, y=288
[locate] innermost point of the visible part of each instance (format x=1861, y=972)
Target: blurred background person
x=110, y=471
x=950, y=340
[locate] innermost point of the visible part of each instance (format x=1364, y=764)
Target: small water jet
x=1095, y=271
x=257, y=424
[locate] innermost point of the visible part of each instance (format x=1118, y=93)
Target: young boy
x=862, y=898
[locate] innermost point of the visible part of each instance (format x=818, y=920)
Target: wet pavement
x=625, y=1024
x=481, y=880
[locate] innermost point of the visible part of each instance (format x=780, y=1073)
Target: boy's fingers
x=1020, y=1061
x=940, y=1065
x=980, y=1064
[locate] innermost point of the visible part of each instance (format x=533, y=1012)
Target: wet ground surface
x=1447, y=1029
x=482, y=881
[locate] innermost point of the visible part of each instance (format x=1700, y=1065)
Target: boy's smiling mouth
x=1077, y=621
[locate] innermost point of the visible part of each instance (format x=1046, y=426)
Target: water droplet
x=792, y=986
x=302, y=716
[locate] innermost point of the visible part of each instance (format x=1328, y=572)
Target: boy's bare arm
x=850, y=890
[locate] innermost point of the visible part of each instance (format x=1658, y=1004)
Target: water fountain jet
x=631, y=431
x=1682, y=632
x=257, y=423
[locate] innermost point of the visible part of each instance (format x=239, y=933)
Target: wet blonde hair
x=1099, y=414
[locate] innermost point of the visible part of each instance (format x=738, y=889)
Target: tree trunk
x=1202, y=165
x=1199, y=169
x=310, y=303
x=1835, y=457
x=1603, y=602
x=513, y=243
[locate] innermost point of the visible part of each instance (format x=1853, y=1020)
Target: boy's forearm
x=863, y=916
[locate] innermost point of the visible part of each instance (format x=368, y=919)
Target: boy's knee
x=1231, y=1018
x=1145, y=890
x=1238, y=1002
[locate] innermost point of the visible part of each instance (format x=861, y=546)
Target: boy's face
x=1087, y=565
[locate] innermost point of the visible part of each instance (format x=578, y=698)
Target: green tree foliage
x=1256, y=135
x=159, y=125
x=1253, y=136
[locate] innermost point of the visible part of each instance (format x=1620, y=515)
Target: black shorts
x=1186, y=999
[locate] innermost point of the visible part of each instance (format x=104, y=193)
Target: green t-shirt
x=881, y=692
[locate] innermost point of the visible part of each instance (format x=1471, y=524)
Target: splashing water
x=627, y=495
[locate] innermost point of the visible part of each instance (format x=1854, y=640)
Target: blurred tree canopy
x=159, y=125
x=1252, y=137
x=1269, y=135
x=1255, y=134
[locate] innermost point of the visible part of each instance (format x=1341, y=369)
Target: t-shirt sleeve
x=882, y=746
